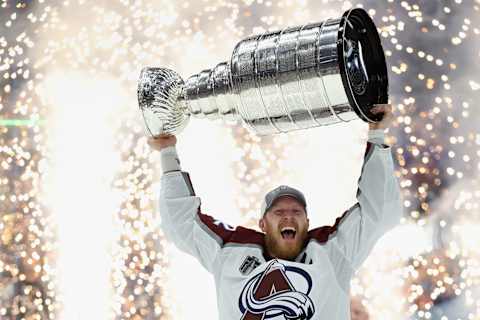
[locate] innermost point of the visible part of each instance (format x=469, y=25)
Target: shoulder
x=324, y=233
x=244, y=235
x=320, y=234
x=228, y=235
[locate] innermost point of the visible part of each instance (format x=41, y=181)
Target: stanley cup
x=301, y=77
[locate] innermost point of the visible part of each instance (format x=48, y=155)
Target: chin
x=284, y=251
x=288, y=256
x=291, y=253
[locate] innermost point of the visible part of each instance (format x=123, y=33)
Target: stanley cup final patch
x=247, y=266
x=271, y=294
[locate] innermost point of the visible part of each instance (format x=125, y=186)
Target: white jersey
x=250, y=284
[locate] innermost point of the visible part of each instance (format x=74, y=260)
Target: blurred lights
x=79, y=110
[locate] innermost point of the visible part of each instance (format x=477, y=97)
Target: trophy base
x=365, y=80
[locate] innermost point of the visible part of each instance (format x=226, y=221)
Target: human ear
x=261, y=224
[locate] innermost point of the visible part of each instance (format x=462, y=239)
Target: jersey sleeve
x=378, y=209
x=183, y=223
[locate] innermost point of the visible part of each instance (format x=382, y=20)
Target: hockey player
x=286, y=271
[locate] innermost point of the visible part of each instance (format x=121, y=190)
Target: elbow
x=166, y=229
x=393, y=202
x=393, y=212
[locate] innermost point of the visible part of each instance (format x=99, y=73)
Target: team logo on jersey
x=271, y=294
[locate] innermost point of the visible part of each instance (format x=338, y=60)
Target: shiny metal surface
x=297, y=78
x=159, y=96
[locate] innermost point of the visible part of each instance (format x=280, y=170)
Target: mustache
x=288, y=224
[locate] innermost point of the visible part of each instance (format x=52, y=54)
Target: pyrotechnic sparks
x=433, y=53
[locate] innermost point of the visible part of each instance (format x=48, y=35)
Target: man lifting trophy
x=297, y=78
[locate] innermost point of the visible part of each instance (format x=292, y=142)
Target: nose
x=288, y=216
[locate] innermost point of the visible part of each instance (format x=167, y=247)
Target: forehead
x=287, y=201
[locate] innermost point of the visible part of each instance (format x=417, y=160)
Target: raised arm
x=181, y=220
x=379, y=206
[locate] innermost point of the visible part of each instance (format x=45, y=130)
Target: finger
x=377, y=110
x=151, y=142
x=155, y=141
x=384, y=108
x=162, y=136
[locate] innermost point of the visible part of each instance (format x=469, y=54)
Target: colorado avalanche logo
x=271, y=295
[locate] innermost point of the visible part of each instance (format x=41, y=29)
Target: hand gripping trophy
x=297, y=78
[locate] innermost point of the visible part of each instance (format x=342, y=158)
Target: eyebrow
x=295, y=209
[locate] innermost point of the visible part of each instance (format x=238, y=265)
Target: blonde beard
x=275, y=250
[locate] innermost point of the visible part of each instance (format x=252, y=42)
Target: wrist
x=376, y=133
x=377, y=137
x=169, y=159
x=168, y=150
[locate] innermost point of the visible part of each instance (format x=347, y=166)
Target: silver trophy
x=297, y=78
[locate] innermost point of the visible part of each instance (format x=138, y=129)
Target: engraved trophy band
x=297, y=78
